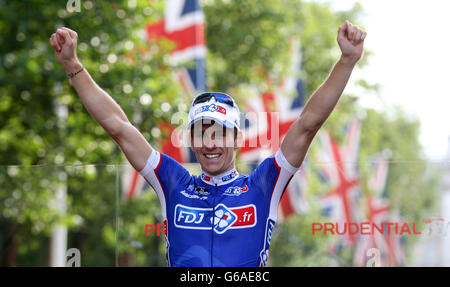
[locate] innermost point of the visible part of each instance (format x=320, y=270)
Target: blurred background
x=67, y=192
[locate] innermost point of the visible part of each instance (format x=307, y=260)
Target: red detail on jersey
x=246, y=216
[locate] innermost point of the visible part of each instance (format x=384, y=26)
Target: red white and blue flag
x=338, y=168
x=395, y=245
x=380, y=170
x=268, y=117
x=184, y=25
x=267, y=120
x=378, y=211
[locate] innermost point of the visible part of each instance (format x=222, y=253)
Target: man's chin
x=212, y=169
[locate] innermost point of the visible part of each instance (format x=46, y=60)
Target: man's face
x=214, y=147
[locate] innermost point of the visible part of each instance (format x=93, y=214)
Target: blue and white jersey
x=224, y=220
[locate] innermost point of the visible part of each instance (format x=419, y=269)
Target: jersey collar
x=220, y=179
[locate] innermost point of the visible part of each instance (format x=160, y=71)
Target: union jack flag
x=271, y=114
x=184, y=24
x=378, y=211
x=380, y=166
x=267, y=120
x=395, y=245
x=263, y=136
x=390, y=245
x=338, y=168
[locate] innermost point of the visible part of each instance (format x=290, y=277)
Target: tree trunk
x=10, y=245
x=126, y=259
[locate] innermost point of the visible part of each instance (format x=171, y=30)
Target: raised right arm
x=102, y=107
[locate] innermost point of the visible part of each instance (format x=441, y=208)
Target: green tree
x=32, y=85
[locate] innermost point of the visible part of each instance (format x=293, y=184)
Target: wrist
x=72, y=66
x=348, y=60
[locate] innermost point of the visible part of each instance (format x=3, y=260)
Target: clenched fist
x=351, y=41
x=64, y=42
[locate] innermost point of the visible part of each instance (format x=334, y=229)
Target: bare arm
x=99, y=104
x=321, y=104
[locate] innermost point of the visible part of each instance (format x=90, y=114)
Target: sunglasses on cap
x=220, y=97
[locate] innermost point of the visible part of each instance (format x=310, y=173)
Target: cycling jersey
x=224, y=220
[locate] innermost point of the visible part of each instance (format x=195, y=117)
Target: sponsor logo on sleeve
x=264, y=255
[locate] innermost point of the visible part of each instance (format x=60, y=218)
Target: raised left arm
x=301, y=133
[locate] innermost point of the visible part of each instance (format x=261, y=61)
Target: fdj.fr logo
x=221, y=218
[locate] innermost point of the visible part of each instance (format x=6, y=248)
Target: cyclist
x=221, y=217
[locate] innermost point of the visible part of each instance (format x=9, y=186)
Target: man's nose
x=209, y=142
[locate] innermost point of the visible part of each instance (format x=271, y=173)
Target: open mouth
x=212, y=155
